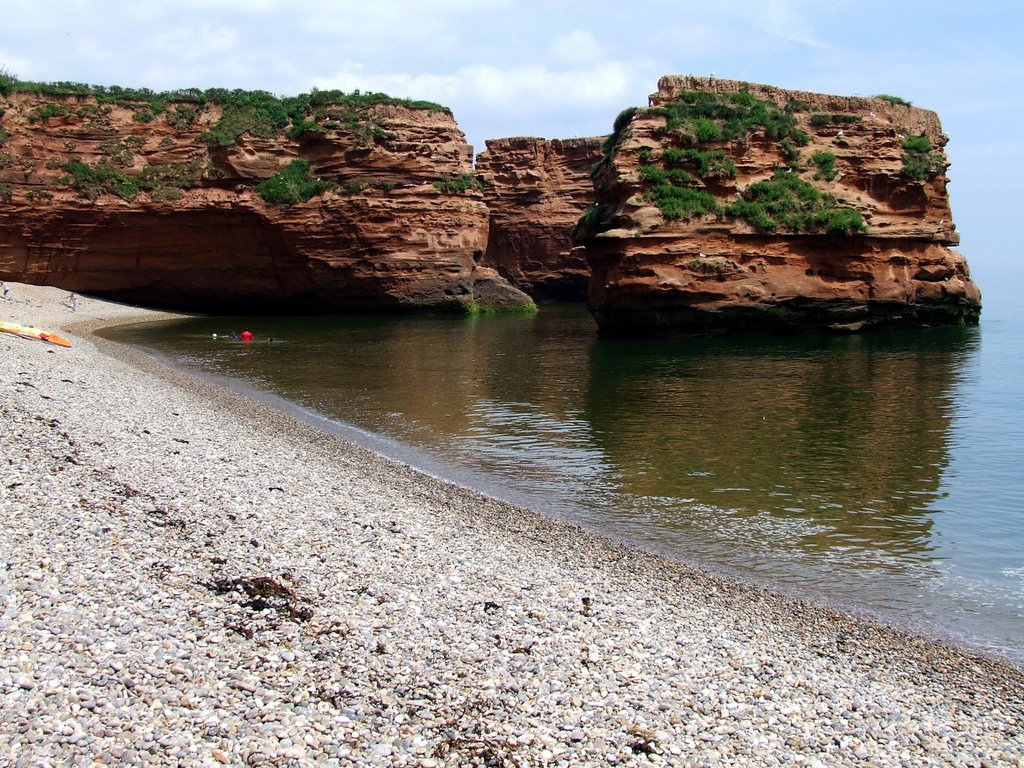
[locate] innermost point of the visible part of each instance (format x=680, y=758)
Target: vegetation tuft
x=590, y=220
x=825, y=162
x=91, y=181
x=919, y=162
x=819, y=119
x=698, y=117
x=258, y=113
x=787, y=202
x=293, y=184
x=622, y=121
x=459, y=183
x=8, y=82
x=682, y=202
x=48, y=110
x=162, y=181
x=715, y=164
x=893, y=99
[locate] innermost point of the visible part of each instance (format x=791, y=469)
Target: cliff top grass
x=259, y=113
x=698, y=121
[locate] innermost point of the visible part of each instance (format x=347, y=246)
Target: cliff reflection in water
x=832, y=447
x=766, y=456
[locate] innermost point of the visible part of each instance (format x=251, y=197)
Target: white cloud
x=15, y=65
x=508, y=90
x=492, y=102
x=208, y=43
x=784, y=19
x=577, y=46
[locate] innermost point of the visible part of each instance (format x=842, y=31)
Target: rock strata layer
x=536, y=190
x=728, y=205
x=112, y=200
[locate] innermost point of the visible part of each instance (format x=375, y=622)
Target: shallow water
x=881, y=473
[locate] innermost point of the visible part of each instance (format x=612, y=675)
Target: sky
x=563, y=68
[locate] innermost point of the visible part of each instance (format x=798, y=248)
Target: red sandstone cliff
x=536, y=190
x=158, y=213
x=729, y=204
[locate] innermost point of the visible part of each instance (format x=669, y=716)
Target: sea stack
x=732, y=206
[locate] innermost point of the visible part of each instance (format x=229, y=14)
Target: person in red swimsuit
x=246, y=335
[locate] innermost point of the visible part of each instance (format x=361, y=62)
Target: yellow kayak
x=28, y=332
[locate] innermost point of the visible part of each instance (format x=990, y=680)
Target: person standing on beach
x=6, y=290
x=246, y=335
x=73, y=300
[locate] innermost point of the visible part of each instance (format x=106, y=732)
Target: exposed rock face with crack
x=536, y=190
x=730, y=205
x=153, y=211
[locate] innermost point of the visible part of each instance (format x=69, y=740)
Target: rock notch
x=536, y=190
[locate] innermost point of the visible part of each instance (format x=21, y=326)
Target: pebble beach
x=189, y=577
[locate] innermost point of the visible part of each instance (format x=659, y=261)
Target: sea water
x=879, y=473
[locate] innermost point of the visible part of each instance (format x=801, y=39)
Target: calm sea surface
x=880, y=473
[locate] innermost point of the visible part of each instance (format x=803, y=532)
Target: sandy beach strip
x=190, y=577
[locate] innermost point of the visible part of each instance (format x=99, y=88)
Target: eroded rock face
x=536, y=190
x=198, y=236
x=685, y=239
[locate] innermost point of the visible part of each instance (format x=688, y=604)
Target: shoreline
x=195, y=576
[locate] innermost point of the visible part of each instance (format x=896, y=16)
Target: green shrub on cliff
x=257, y=113
x=183, y=117
x=715, y=164
x=90, y=181
x=826, y=165
x=122, y=151
x=166, y=181
x=787, y=202
x=820, y=119
x=672, y=191
x=301, y=126
x=459, y=183
x=265, y=115
x=790, y=152
x=893, y=99
x=701, y=117
x=682, y=202
x=291, y=185
x=622, y=121
x=48, y=110
x=5, y=193
x=590, y=220
x=652, y=174
x=919, y=162
x=8, y=82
